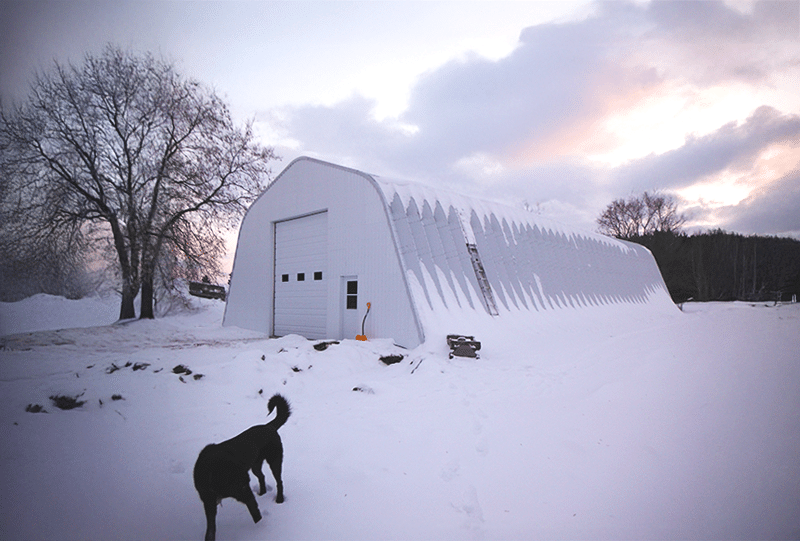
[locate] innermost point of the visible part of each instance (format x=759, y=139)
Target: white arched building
x=324, y=240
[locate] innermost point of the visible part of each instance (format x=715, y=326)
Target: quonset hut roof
x=513, y=260
x=431, y=261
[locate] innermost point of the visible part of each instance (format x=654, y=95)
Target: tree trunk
x=130, y=282
x=754, y=268
x=127, y=309
x=149, y=258
x=149, y=265
x=146, y=309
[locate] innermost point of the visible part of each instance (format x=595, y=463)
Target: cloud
x=523, y=126
x=714, y=21
x=560, y=76
x=770, y=210
x=709, y=42
x=344, y=129
x=734, y=145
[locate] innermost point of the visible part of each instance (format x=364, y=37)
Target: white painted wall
x=360, y=243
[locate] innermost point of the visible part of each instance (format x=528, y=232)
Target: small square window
x=352, y=302
x=284, y=278
x=301, y=277
x=352, y=287
x=318, y=275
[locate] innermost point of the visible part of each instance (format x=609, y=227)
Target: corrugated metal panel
x=301, y=276
x=426, y=259
x=519, y=261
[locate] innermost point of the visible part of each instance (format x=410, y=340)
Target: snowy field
x=597, y=424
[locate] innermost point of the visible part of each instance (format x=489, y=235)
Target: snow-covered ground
x=594, y=425
x=46, y=312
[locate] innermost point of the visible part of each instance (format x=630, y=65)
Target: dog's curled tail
x=284, y=410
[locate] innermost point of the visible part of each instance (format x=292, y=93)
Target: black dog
x=221, y=469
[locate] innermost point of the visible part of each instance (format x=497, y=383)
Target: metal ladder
x=483, y=282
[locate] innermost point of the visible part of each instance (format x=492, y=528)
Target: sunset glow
x=564, y=104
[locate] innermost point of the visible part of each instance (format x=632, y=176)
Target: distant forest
x=721, y=266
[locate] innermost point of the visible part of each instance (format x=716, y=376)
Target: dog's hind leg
x=276, y=464
x=210, y=506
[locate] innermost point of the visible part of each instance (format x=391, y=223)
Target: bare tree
x=124, y=146
x=640, y=215
x=31, y=263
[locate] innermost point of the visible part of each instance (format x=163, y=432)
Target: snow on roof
x=469, y=253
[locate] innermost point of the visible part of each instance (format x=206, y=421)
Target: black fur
x=221, y=469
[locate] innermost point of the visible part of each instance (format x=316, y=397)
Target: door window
x=352, y=295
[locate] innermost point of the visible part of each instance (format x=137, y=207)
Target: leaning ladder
x=477, y=266
x=483, y=282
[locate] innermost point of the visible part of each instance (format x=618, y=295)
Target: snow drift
x=671, y=426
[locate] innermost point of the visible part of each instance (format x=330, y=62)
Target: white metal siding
x=409, y=246
x=301, y=276
x=360, y=242
x=523, y=266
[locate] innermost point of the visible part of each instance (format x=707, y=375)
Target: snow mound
x=48, y=312
x=659, y=427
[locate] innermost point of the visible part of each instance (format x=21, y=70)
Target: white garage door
x=301, y=268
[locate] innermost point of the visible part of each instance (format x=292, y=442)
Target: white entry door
x=301, y=268
x=349, y=307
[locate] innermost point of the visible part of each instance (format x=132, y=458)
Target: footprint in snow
x=482, y=447
x=471, y=506
x=450, y=471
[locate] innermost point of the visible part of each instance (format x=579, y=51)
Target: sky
x=558, y=107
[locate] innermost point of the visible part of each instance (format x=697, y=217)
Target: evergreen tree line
x=722, y=266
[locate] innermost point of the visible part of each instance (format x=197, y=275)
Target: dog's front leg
x=252, y=506
x=210, y=507
x=245, y=495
